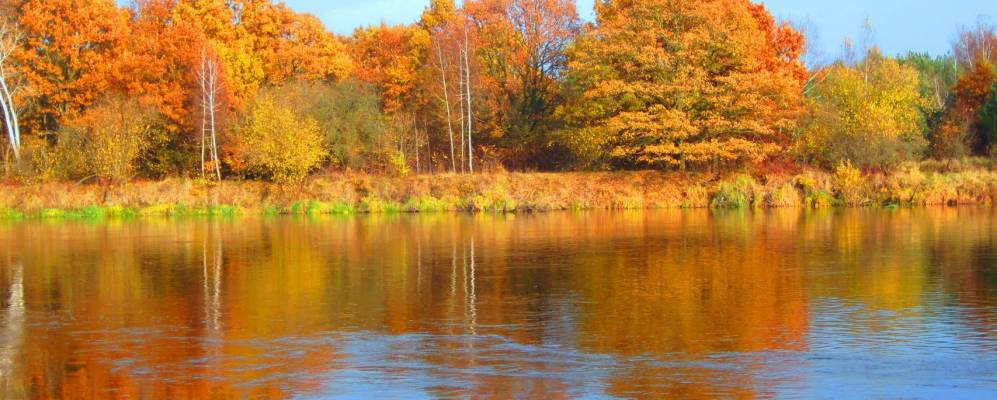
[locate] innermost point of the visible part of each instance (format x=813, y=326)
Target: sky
x=899, y=26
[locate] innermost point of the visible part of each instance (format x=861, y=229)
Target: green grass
x=430, y=204
x=736, y=194
x=314, y=207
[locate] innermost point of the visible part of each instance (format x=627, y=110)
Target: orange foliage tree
x=522, y=51
x=960, y=131
x=674, y=84
x=391, y=58
x=69, y=57
x=158, y=61
x=262, y=42
x=291, y=45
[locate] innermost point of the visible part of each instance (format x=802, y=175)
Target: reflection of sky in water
x=920, y=357
x=394, y=367
x=930, y=354
x=669, y=305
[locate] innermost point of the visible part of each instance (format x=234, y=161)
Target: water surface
x=836, y=304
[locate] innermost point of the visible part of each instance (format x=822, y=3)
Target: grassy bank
x=925, y=184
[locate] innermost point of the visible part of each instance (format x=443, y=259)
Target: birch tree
x=10, y=38
x=446, y=103
x=467, y=87
x=208, y=80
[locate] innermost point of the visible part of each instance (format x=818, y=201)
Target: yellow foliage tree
x=278, y=142
x=114, y=133
x=669, y=84
x=869, y=114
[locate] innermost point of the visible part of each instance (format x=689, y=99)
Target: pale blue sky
x=900, y=25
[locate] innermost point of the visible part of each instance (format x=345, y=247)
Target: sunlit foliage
x=280, y=143
x=870, y=114
x=667, y=84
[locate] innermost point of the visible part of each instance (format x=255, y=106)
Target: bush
x=849, y=185
x=816, y=193
x=104, y=143
x=785, y=195
x=278, y=142
x=741, y=193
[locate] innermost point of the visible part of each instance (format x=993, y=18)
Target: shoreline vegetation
x=928, y=183
x=177, y=108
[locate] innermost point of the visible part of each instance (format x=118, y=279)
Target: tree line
x=250, y=89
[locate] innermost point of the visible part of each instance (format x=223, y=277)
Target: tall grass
x=910, y=185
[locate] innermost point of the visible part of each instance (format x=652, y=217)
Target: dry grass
x=505, y=192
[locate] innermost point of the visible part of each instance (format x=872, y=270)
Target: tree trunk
x=446, y=101
x=208, y=80
x=467, y=85
x=10, y=116
x=202, y=81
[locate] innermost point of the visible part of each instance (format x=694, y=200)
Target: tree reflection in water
x=638, y=304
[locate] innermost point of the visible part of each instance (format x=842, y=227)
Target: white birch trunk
x=467, y=86
x=208, y=80
x=9, y=39
x=446, y=101
x=202, y=80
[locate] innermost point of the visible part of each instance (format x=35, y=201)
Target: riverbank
x=924, y=184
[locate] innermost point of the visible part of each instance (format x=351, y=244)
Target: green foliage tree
x=279, y=142
x=349, y=116
x=938, y=76
x=870, y=115
x=988, y=119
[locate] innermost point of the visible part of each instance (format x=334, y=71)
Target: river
x=672, y=304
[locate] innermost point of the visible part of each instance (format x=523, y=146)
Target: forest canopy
x=240, y=89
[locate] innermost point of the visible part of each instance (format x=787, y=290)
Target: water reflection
x=669, y=304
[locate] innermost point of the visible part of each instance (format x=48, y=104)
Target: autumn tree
x=437, y=19
x=211, y=85
x=10, y=38
x=668, y=84
x=157, y=66
x=959, y=131
x=522, y=52
x=938, y=76
x=112, y=136
x=157, y=63
x=292, y=45
x=869, y=115
x=262, y=42
x=391, y=59
x=280, y=143
x=976, y=44
x=971, y=92
x=69, y=55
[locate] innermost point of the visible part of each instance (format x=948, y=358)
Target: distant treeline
x=240, y=89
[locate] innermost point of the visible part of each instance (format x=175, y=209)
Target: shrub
x=280, y=143
x=106, y=141
x=785, y=195
x=849, y=184
x=741, y=193
x=696, y=196
x=399, y=165
x=815, y=192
